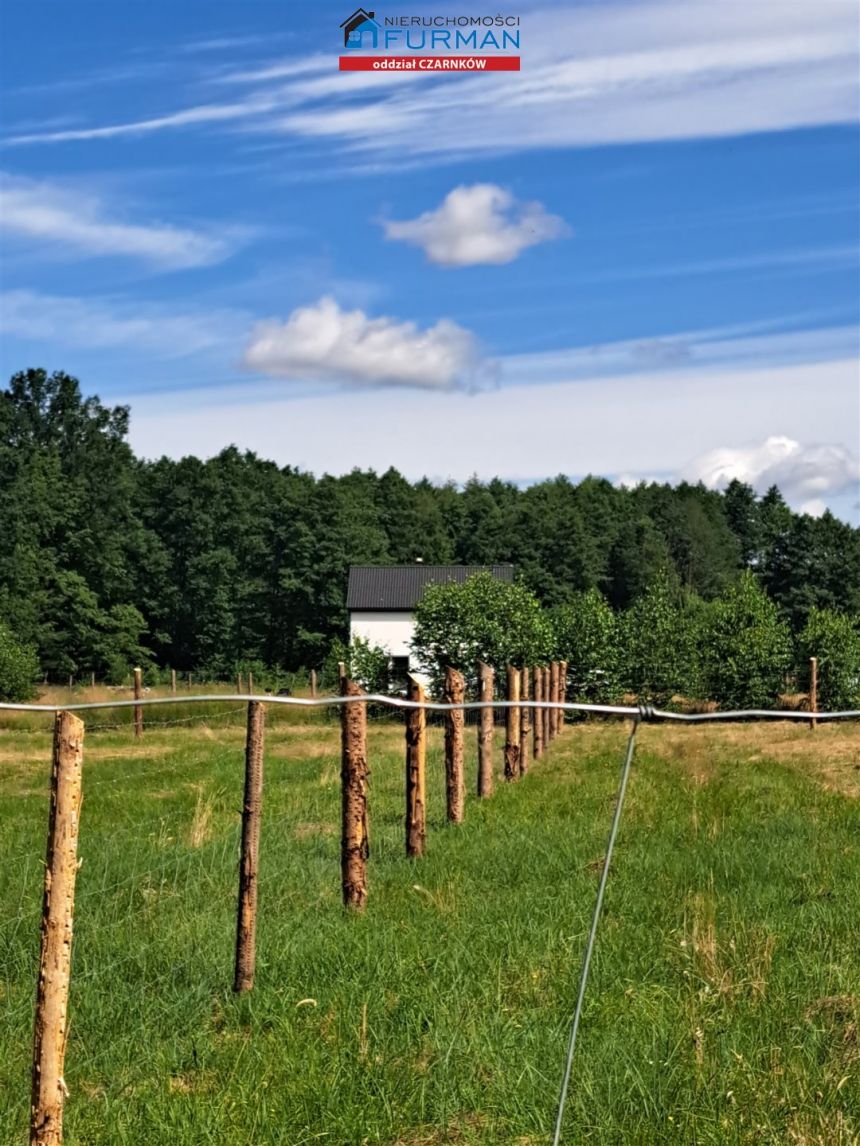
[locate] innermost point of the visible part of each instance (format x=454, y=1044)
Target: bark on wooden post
x=455, y=776
x=538, y=713
x=547, y=712
x=313, y=682
x=553, y=695
x=485, y=732
x=813, y=690
x=354, y=842
x=138, y=709
x=512, y=726
x=562, y=692
x=416, y=757
x=55, y=959
x=525, y=723
x=173, y=681
x=249, y=860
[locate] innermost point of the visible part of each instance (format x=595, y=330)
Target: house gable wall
x=390, y=630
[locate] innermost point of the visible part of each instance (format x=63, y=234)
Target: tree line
x=668, y=646
x=235, y=562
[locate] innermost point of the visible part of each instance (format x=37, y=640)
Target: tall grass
x=723, y=1005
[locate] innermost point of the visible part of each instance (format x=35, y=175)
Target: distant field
x=724, y=1003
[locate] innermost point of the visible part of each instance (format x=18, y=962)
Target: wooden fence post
x=455, y=778
x=249, y=860
x=485, y=732
x=813, y=690
x=525, y=723
x=562, y=693
x=416, y=757
x=512, y=726
x=189, y=682
x=538, y=713
x=92, y=680
x=553, y=695
x=138, y=709
x=250, y=684
x=238, y=682
x=55, y=958
x=313, y=682
x=173, y=681
x=547, y=712
x=354, y=841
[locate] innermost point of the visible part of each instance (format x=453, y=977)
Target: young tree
x=586, y=636
x=481, y=619
x=834, y=638
x=657, y=643
x=366, y=664
x=745, y=648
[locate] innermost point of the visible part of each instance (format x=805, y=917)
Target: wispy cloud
x=480, y=224
x=51, y=215
x=186, y=117
x=621, y=73
x=226, y=43
x=592, y=74
x=104, y=323
x=333, y=345
x=691, y=353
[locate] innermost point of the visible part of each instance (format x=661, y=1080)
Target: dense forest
x=107, y=559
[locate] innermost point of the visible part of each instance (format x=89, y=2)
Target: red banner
x=434, y=64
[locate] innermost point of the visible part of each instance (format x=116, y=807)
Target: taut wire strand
x=592, y=935
x=636, y=712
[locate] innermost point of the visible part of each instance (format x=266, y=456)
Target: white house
x=381, y=601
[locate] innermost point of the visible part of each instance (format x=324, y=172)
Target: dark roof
x=402, y=586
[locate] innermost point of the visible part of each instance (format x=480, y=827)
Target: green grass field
x=725, y=991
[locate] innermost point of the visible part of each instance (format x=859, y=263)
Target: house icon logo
x=359, y=25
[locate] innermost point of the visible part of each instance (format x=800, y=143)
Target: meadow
x=724, y=1000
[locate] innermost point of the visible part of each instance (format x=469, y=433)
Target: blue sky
x=638, y=256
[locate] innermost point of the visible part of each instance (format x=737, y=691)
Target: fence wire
x=641, y=712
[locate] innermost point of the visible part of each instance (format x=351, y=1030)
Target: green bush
x=657, y=642
x=745, y=648
x=586, y=636
x=19, y=668
x=366, y=664
x=834, y=638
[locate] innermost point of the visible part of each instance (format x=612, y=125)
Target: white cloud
x=55, y=215
x=326, y=343
x=592, y=74
x=483, y=223
x=103, y=324
x=806, y=475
